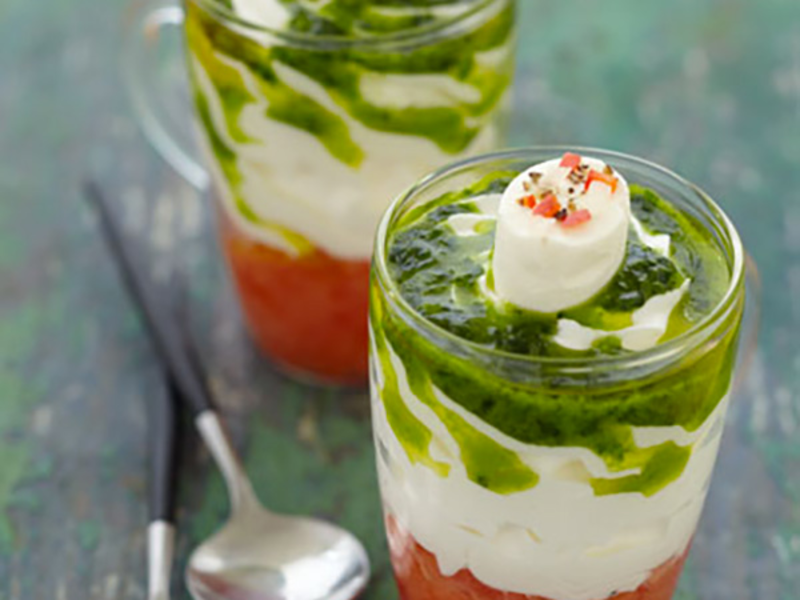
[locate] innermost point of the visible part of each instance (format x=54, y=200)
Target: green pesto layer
x=339, y=71
x=439, y=273
x=595, y=411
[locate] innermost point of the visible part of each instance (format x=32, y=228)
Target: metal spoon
x=261, y=555
x=257, y=554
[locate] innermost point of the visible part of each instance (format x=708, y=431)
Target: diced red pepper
x=529, y=201
x=609, y=180
x=576, y=218
x=548, y=207
x=570, y=160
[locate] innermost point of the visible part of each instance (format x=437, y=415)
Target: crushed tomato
x=418, y=577
x=307, y=313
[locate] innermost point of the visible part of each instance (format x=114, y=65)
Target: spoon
x=257, y=554
x=261, y=555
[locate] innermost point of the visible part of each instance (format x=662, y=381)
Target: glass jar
x=522, y=477
x=308, y=136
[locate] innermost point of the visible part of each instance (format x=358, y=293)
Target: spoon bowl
x=259, y=555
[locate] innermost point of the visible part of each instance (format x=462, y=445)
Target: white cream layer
x=274, y=15
x=650, y=322
x=557, y=539
x=266, y=13
x=290, y=179
x=540, y=265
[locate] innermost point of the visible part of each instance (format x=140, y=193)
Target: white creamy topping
x=418, y=90
x=266, y=13
x=660, y=242
x=558, y=539
x=282, y=168
x=649, y=324
x=650, y=321
x=291, y=183
x=540, y=263
x=273, y=14
x=467, y=223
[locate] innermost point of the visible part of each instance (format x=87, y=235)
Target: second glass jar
x=310, y=134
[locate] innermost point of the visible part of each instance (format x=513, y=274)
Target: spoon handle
x=165, y=435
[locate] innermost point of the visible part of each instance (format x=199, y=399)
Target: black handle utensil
x=252, y=535
x=163, y=422
x=165, y=332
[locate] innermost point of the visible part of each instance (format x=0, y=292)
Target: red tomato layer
x=418, y=577
x=309, y=314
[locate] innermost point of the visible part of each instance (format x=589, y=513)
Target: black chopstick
x=165, y=433
x=163, y=415
x=168, y=337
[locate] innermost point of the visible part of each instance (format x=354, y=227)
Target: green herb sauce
x=437, y=273
x=339, y=71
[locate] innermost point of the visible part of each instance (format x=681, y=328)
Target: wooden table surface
x=709, y=88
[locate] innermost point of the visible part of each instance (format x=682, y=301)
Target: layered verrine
x=314, y=114
x=553, y=339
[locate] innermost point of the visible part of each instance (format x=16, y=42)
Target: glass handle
x=750, y=322
x=151, y=68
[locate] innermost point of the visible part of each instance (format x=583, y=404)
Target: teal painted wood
x=711, y=88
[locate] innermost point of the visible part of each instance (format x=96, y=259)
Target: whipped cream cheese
x=274, y=14
x=649, y=324
x=341, y=216
x=562, y=229
x=556, y=540
x=265, y=13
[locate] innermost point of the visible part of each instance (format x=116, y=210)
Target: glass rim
x=475, y=16
x=673, y=348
